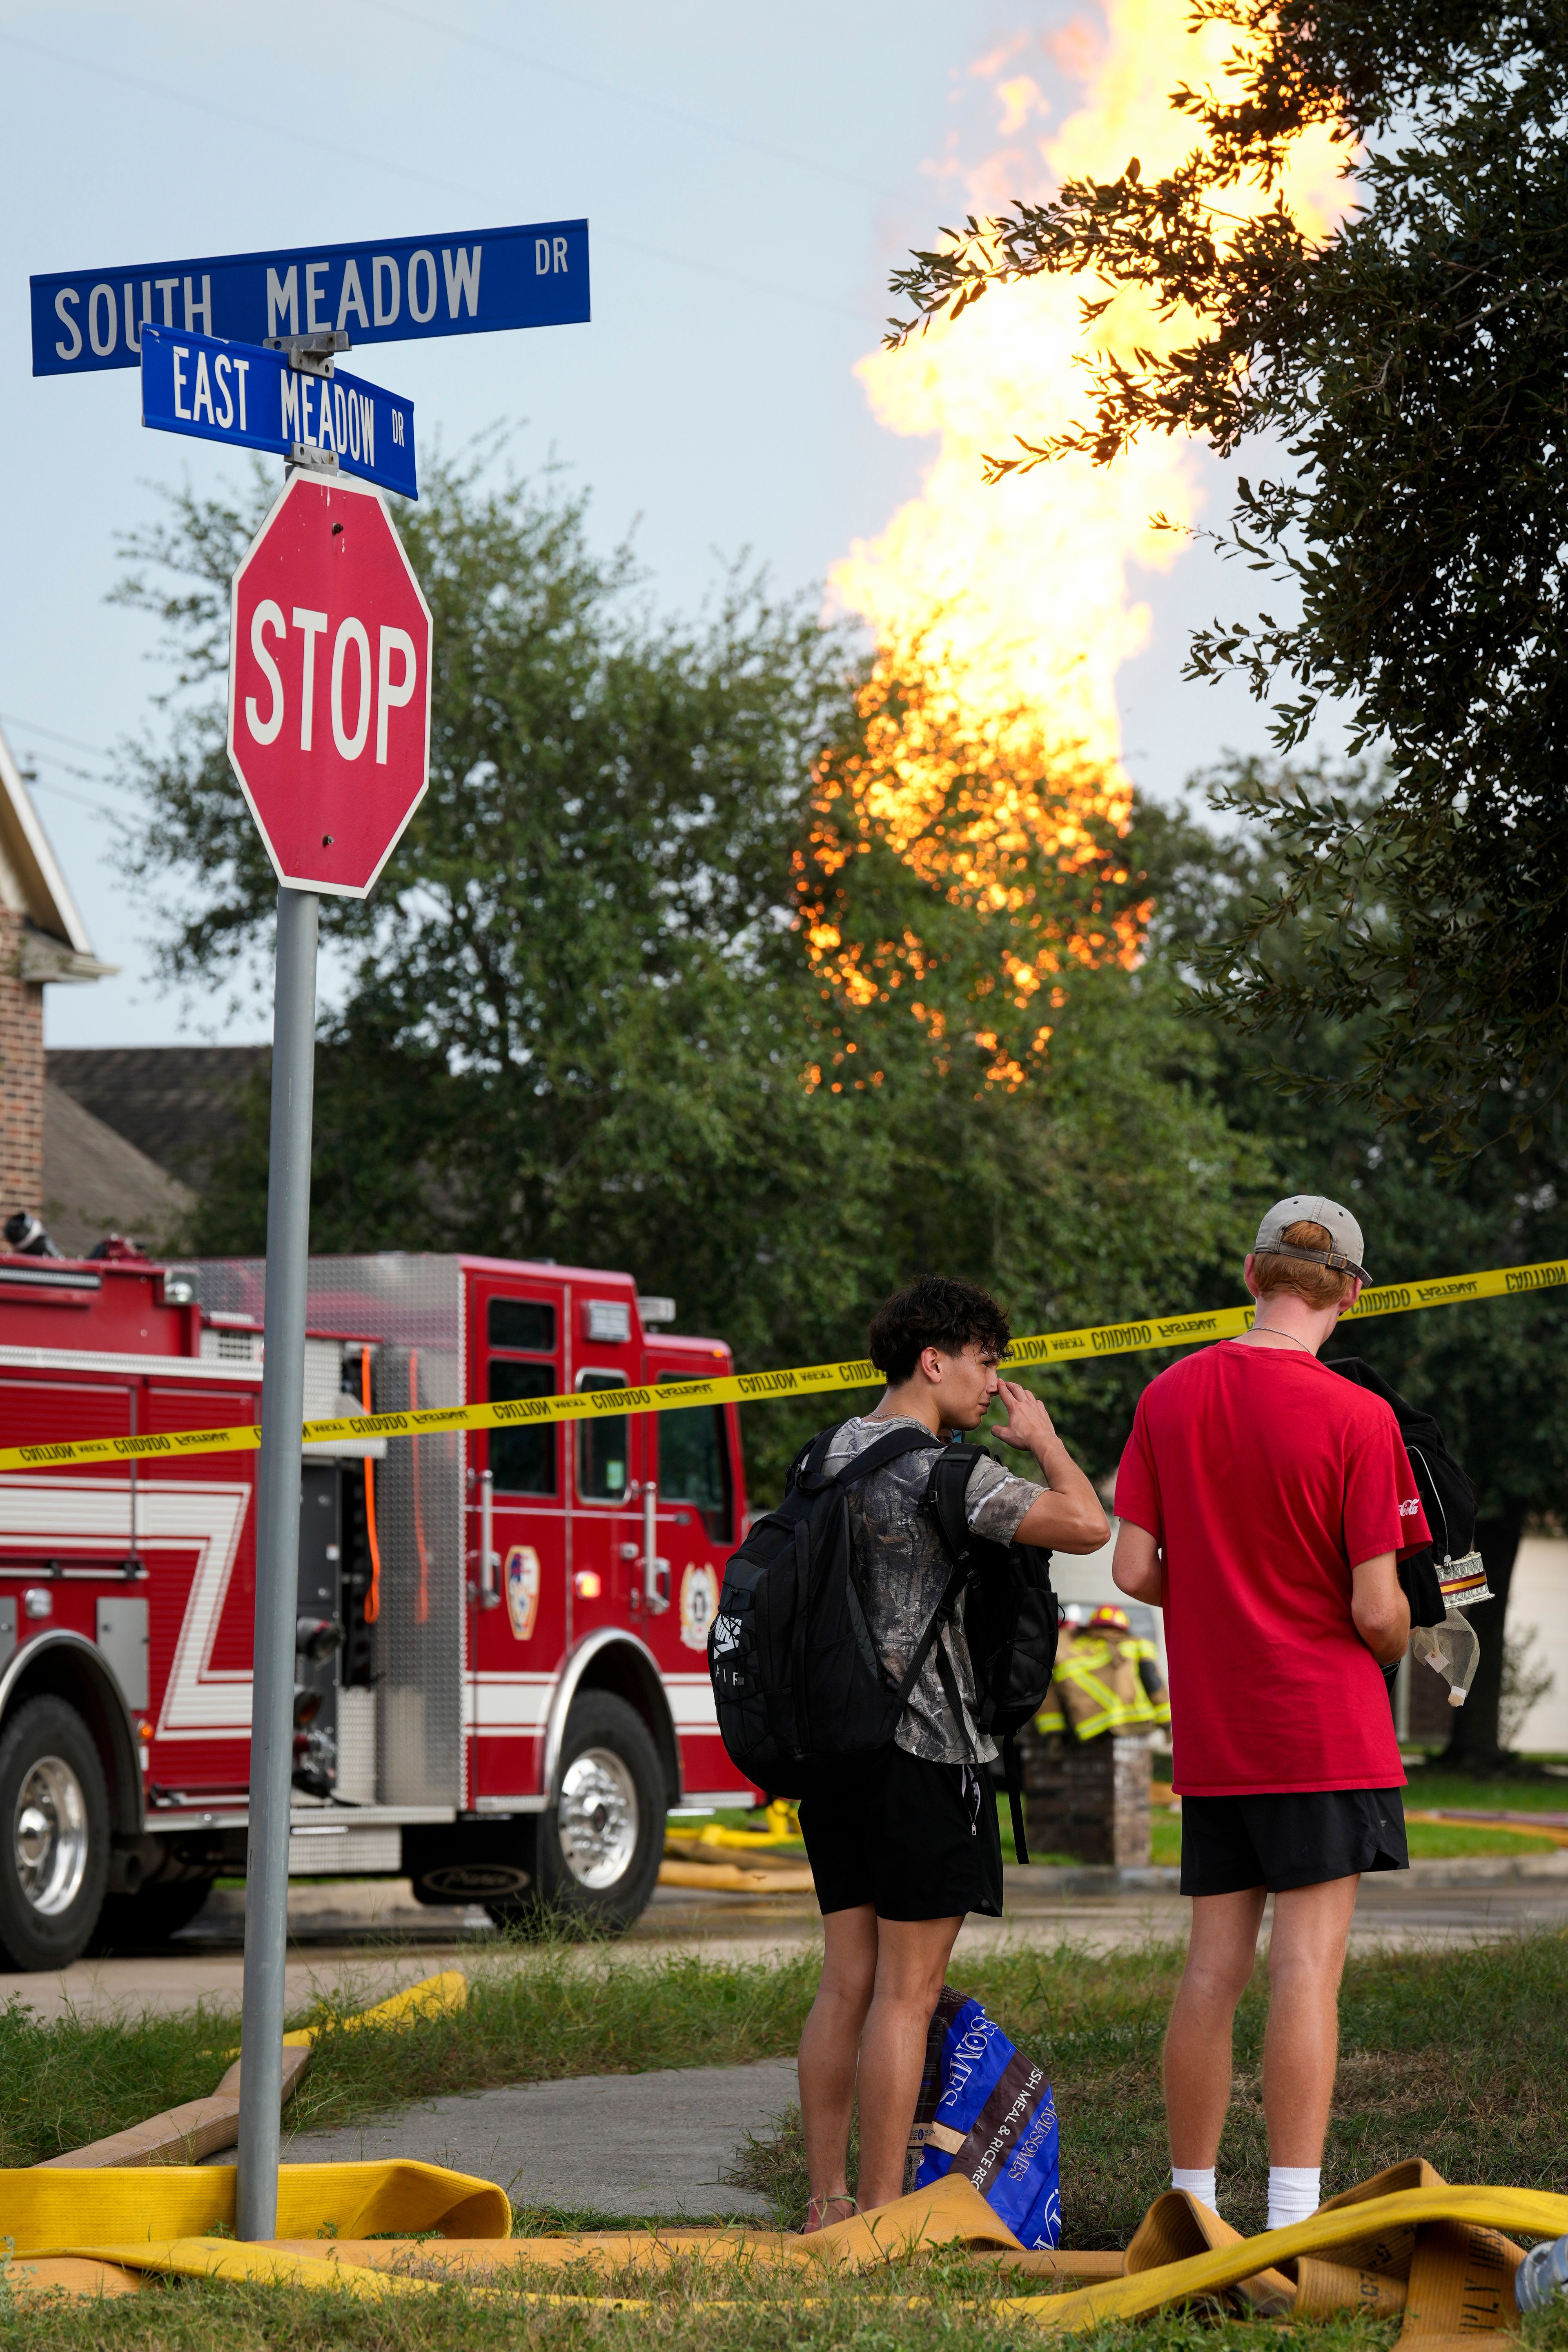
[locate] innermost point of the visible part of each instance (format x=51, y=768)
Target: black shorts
x=917, y=1840
x=1300, y=1839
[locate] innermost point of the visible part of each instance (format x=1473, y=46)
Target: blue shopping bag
x=985, y=2112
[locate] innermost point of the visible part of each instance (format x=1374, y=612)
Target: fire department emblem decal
x=523, y=1589
x=698, y=1604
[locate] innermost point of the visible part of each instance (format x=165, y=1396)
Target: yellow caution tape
x=1155, y=1331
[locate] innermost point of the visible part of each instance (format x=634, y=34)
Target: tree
x=593, y=1011
x=1412, y=363
x=1495, y=1373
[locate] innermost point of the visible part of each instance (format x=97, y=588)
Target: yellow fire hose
x=1403, y=2241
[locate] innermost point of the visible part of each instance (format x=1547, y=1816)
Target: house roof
x=177, y=1103
x=95, y=1182
x=55, y=943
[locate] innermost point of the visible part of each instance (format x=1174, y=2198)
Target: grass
x=943, y=2304
x=1459, y=2056
x=535, y=2013
x=1455, y=2056
x=865, y=2314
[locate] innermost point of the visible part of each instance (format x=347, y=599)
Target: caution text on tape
x=1154, y=1332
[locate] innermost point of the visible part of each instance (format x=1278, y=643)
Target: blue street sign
x=471, y=284
x=239, y=393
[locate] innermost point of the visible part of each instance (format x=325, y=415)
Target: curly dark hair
x=934, y=1312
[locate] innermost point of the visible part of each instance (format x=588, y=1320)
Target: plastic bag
x=985, y=2112
x=1453, y=1649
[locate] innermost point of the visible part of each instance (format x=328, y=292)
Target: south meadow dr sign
x=473, y=282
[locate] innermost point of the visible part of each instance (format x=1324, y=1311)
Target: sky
x=750, y=177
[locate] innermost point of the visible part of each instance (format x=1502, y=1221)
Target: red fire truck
x=501, y=1684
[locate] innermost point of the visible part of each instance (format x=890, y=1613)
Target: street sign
x=469, y=284
x=329, y=685
x=241, y=394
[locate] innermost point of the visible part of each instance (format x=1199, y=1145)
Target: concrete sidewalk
x=635, y=2144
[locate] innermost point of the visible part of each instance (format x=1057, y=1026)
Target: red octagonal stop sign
x=329, y=685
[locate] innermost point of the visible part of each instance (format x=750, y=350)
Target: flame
x=1016, y=600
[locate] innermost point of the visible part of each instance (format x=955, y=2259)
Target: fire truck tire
x=600, y=1844
x=144, y=1921
x=53, y=1835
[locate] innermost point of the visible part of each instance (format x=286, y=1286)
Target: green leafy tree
x=584, y=1016
x=1412, y=365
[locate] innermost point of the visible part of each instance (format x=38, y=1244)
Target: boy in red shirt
x=1264, y=1504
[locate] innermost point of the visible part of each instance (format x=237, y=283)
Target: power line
x=36, y=726
x=64, y=792
x=630, y=98
x=400, y=170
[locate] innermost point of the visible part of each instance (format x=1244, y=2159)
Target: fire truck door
x=516, y=1646
x=606, y=1522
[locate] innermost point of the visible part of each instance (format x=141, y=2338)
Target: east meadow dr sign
x=395, y=290
x=255, y=399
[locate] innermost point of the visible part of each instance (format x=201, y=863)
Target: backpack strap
x=813, y=1477
x=1013, y=1768
x=946, y=1489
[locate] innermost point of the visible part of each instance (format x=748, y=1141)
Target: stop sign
x=329, y=685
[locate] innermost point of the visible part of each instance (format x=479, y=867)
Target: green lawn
x=1459, y=2056
x=944, y=2305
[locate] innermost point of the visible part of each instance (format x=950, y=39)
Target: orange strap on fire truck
x=754, y=1388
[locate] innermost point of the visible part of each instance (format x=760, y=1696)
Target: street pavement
x=363, y=1939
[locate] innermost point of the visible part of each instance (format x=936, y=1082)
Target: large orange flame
x=1016, y=598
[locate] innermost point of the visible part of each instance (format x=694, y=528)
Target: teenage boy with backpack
x=904, y=1842
x=1265, y=1505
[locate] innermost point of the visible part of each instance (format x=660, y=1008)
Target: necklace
x=1284, y=1334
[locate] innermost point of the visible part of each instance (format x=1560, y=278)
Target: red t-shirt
x=1266, y=1478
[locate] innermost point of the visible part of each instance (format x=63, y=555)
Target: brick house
x=42, y=940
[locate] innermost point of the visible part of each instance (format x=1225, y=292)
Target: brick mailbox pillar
x=1089, y=1797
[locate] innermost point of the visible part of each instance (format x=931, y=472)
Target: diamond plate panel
x=413, y=1307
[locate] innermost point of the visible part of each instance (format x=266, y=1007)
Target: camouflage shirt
x=904, y=1567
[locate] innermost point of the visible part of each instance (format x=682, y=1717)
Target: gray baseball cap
x=1346, y=1246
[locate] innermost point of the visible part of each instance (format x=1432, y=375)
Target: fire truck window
x=526, y=1324
x=603, y=1447
x=694, y=1462
x=522, y=1461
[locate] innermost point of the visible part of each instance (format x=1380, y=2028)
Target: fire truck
x=502, y=1684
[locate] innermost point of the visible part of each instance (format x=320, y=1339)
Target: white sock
x=1196, y=2181
x=1294, y=2193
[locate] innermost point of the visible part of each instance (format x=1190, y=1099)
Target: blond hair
x=1275, y=1272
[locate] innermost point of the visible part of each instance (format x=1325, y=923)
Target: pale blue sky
x=750, y=177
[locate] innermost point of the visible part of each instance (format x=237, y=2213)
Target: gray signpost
x=277, y=1563
x=329, y=823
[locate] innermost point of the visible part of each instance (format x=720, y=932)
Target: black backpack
x=1447, y=1497
x=797, y=1682
x=1011, y=1622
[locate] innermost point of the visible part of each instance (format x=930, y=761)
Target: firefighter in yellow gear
x=1107, y=1678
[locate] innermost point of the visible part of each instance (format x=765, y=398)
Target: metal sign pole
x=276, y=1564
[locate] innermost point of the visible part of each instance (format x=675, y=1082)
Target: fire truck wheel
x=144, y=1921
x=601, y=1844
x=53, y=1835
